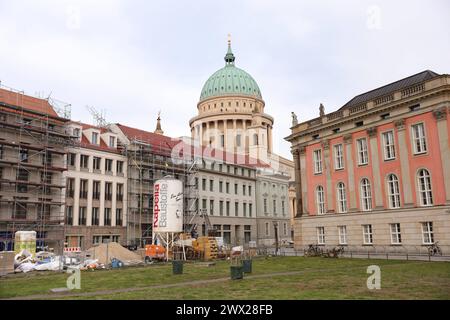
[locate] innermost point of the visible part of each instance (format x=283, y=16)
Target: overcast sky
x=134, y=58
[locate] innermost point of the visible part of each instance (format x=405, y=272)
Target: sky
x=130, y=59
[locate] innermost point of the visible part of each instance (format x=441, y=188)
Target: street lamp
x=275, y=226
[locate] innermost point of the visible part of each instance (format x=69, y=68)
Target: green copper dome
x=230, y=81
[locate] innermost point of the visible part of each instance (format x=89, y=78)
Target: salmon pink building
x=376, y=172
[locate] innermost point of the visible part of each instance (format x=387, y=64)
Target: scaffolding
x=146, y=164
x=32, y=162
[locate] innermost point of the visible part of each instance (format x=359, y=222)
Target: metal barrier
x=394, y=252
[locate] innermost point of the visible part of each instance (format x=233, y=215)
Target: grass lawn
x=314, y=278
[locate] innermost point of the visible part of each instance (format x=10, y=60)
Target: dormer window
x=94, y=139
x=76, y=132
x=112, y=142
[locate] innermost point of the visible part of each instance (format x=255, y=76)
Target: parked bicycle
x=313, y=251
x=434, y=249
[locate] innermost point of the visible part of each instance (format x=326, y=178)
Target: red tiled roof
x=27, y=102
x=164, y=144
x=157, y=141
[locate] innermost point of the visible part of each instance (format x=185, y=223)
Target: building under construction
x=150, y=157
x=32, y=153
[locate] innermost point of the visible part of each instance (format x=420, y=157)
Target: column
x=225, y=132
x=327, y=166
x=348, y=145
x=208, y=134
x=234, y=145
x=269, y=138
x=303, y=179
x=373, y=142
x=216, y=135
x=404, y=162
x=441, y=118
x=298, y=183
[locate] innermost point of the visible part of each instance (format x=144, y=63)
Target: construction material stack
x=208, y=247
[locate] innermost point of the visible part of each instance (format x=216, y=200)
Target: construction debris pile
x=104, y=253
x=99, y=257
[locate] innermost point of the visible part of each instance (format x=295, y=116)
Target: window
x=84, y=161
x=227, y=187
x=96, y=190
x=244, y=187
x=427, y=233
x=220, y=186
x=119, y=192
x=238, y=140
x=388, y=145
x=211, y=207
x=249, y=190
x=23, y=155
x=265, y=206
x=266, y=228
x=283, y=211
x=342, y=198
x=274, y=207
x=108, y=165
x=83, y=189
x=70, y=187
x=342, y=235
x=255, y=139
x=20, y=208
x=108, y=191
x=393, y=191
x=366, y=195
x=396, y=237
x=204, y=204
x=320, y=200
x=247, y=233
x=119, y=167
x=338, y=157
x=363, y=154
x=244, y=209
x=76, y=132
x=107, y=217
x=96, y=163
x=359, y=124
x=119, y=217
x=419, y=140
x=211, y=185
x=236, y=209
x=95, y=216
x=424, y=187
x=69, y=215
x=94, y=138
x=112, y=142
x=317, y=155
x=221, y=208
x=71, y=159
x=228, y=208
x=222, y=140
x=204, y=184
x=285, y=229
x=250, y=207
x=82, y=216
x=320, y=235
x=235, y=188
x=367, y=234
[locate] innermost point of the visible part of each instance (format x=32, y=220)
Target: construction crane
x=98, y=116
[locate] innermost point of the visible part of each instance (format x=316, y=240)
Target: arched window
x=366, y=195
x=342, y=198
x=393, y=191
x=424, y=187
x=320, y=200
